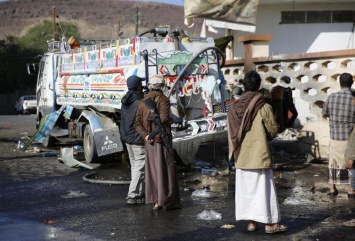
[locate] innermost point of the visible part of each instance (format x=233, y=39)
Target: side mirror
x=31, y=68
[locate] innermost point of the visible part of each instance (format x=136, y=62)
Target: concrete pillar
x=230, y=46
x=254, y=46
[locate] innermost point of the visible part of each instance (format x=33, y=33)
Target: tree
x=13, y=61
x=36, y=37
x=15, y=53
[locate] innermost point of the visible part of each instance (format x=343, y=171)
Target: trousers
x=136, y=154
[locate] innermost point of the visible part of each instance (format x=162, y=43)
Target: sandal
x=157, y=207
x=333, y=193
x=252, y=226
x=350, y=223
x=277, y=229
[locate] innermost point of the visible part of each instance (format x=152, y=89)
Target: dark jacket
x=128, y=112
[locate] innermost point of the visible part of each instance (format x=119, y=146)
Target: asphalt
x=34, y=203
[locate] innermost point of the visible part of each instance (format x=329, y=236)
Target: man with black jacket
x=134, y=142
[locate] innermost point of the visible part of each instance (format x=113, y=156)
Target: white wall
x=300, y=38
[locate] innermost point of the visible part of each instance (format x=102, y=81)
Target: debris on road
x=74, y=194
x=209, y=215
x=299, y=197
x=203, y=193
x=67, y=156
x=49, y=222
x=227, y=226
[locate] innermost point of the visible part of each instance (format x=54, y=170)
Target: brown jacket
x=144, y=127
x=254, y=152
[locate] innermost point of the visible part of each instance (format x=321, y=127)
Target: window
x=293, y=17
x=343, y=16
x=29, y=97
x=318, y=16
x=338, y=16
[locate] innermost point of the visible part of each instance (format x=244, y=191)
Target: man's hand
x=148, y=141
x=349, y=164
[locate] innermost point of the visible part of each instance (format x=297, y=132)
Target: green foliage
x=37, y=37
x=16, y=52
x=13, y=61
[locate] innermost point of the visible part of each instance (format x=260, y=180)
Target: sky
x=175, y=2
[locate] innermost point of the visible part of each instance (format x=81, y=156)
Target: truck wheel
x=89, y=146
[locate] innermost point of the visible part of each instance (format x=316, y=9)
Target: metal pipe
x=193, y=59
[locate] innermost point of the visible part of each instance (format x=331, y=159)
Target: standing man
x=251, y=122
x=277, y=99
x=234, y=89
x=350, y=165
x=134, y=142
x=350, y=158
x=287, y=104
x=161, y=183
x=341, y=113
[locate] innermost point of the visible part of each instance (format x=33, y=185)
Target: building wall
x=314, y=77
x=300, y=38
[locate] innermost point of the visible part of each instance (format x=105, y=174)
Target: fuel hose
x=89, y=178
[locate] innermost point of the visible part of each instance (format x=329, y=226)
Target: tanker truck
x=80, y=86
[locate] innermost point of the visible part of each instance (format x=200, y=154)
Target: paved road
x=32, y=206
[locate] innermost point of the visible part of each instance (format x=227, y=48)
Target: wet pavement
x=34, y=203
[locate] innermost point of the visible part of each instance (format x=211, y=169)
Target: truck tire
x=89, y=146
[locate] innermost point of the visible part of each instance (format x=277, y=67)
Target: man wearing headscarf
x=234, y=90
x=251, y=123
x=161, y=183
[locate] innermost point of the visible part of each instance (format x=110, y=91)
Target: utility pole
x=118, y=28
x=137, y=20
x=54, y=23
